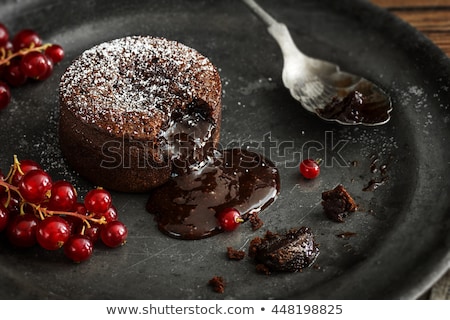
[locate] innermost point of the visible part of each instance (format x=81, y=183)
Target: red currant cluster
x=34, y=209
x=24, y=57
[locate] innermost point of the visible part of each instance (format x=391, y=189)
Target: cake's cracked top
x=130, y=86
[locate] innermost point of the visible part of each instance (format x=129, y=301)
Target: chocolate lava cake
x=129, y=106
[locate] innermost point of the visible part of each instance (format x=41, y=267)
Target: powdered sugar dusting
x=120, y=85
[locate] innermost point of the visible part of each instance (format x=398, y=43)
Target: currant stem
x=6, y=58
x=3, y=53
x=12, y=170
x=8, y=197
x=83, y=229
x=85, y=219
x=8, y=187
x=16, y=165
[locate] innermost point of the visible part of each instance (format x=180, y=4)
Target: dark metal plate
x=402, y=237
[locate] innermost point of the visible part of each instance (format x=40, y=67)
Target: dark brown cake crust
x=337, y=203
x=291, y=252
x=119, y=99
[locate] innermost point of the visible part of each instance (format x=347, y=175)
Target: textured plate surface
x=401, y=242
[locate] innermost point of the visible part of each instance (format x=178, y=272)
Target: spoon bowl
x=322, y=87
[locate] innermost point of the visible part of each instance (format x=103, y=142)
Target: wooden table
x=432, y=18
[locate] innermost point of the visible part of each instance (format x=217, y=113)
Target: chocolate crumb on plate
x=255, y=220
x=290, y=252
x=337, y=203
x=234, y=254
x=217, y=283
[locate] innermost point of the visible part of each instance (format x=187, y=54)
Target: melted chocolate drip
x=185, y=207
x=346, y=235
x=374, y=184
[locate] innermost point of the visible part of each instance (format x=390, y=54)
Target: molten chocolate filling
x=186, y=206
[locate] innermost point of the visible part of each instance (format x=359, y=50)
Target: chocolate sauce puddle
x=185, y=206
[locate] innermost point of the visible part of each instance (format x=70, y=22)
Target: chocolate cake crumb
x=337, y=203
x=234, y=254
x=255, y=221
x=218, y=284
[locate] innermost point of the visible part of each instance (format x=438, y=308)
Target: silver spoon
x=321, y=87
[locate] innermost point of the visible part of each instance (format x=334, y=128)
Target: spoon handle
x=267, y=18
x=293, y=57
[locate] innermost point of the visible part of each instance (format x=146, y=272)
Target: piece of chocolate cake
x=291, y=252
x=337, y=203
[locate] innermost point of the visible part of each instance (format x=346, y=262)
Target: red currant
x=309, y=168
x=114, y=234
x=55, y=53
x=25, y=166
x=21, y=231
x=63, y=196
x=4, y=35
x=14, y=75
x=110, y=214
x=229, y=219
x=93, y=232
x=12, y=202
x=25, y=39
x=8, y=46
x=52, y=232
x=78, y=248
x=80, y=208
x=97, y=200
x=35, y=185
x=5, y=95
x=75, y=223
x=49, y=71
x=34, y=65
